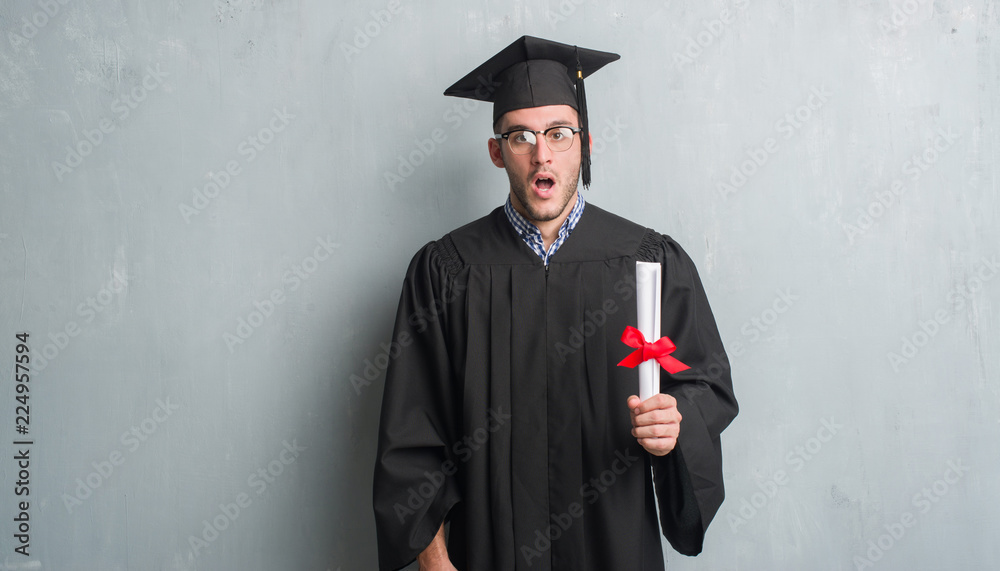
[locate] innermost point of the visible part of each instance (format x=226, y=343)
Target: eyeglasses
x=522, y=141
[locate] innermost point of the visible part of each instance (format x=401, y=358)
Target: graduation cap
x=532, y=72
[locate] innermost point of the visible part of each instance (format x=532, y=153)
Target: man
x=505, y=413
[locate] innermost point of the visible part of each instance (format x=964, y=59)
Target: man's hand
x=435, y=557
x=656, y=423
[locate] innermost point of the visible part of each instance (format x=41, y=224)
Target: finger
x=660, y=443
x=659, y=416
x=638, y=406
x=659, y=401
x=658, y=446
x=633, y=403
x=657, y=431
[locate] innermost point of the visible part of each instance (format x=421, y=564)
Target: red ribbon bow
x=659, y=350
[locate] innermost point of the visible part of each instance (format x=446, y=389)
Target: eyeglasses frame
x=544, y=134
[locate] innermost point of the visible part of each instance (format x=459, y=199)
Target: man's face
x=542, y=182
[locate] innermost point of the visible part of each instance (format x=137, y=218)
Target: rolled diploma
x=648, y=291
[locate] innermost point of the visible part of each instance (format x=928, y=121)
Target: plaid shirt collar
x=532, y=236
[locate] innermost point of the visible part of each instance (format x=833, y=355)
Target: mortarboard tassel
x=581, y=102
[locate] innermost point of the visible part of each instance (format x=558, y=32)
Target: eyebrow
x=553, y=123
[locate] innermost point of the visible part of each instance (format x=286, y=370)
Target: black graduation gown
x=505, y=412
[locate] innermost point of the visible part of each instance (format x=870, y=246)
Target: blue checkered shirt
x=532, y=236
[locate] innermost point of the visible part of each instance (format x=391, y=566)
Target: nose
x=541, y=153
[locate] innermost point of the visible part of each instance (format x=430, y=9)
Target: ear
x=591, y=137
x=496, y=153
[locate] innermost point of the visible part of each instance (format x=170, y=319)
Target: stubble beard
x=521, y=189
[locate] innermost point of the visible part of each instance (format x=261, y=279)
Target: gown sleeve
x=688, y=481
x=414, y=485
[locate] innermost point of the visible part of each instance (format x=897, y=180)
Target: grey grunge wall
x=206, y=209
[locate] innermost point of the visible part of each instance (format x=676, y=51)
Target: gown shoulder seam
x=650, y=247
x=448, y=253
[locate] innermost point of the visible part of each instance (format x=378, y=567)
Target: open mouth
x=544, y=183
